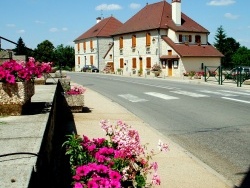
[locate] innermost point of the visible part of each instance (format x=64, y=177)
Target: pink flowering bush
x=19, y=71
x=119, y=161
x=75, y=90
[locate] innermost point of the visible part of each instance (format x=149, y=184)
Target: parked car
x=89, y=68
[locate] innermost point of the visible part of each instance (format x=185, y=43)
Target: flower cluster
x=75, y=90
x=19, y=71
x=156, y=67
x=114, y=162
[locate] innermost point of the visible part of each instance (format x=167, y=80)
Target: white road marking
x=235, y=92
x=237, y=100
x=132, y=98
x=218, y=93
x=160, y=95
x=191, y=94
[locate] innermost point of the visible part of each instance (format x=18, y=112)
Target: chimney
x=176, y=11
x=98, y=19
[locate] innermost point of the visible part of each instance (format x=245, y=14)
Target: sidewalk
x=177, y=168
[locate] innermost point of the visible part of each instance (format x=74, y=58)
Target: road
x=212, y=122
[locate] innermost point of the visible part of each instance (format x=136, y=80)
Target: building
x=160, y=34
x=92, y=46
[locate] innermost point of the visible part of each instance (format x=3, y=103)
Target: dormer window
x=185, y=38
x=197, y=39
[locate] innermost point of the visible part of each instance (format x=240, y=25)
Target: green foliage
x=65, y=57
x=140, y=180
x=241, y=57
x=227, y=46
x=75, y=151
x=44, y=52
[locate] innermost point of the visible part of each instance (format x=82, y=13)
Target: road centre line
x=237, y=100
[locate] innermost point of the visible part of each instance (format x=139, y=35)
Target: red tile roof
x=193, y=50
x=156, y=16
x=102, y=29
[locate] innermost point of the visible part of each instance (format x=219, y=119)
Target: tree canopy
x=45, y=52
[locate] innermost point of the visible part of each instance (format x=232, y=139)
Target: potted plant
x=17, y=84
x=140, y=71
x=156, y=69
x=74, y=96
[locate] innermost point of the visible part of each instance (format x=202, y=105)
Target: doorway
x=169, y=67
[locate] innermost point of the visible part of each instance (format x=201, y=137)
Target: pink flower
x=78, y=185
x=156, y=180
x=115, y=176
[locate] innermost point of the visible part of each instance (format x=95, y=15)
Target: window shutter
x=91, y=44
x=134, y=63
x=78, y=47
x=180, y=38
x=148, y=62
x=133, y=41
x=91, y=60
x=84, y=45
x=121, y=42
x=79, y=60
x=148, y=38
x=121, y=63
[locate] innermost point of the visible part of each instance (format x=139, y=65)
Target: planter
x=75, y=102
x=14, y=97
x=156, y=73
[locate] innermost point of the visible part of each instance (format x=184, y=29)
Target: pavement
x=177, y=167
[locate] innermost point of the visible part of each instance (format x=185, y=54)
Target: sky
x=62, y=21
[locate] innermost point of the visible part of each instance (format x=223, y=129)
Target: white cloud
x=54, y=29
x=221, y=2
x=21, y=31
x=65, y=29
x=39, y=22
x=231, y=16
x=108, y=7
x=134, y=5
x=11, y=25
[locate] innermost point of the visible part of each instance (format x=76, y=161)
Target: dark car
x=89, y=68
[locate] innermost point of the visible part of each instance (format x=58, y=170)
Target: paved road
x=212, y=122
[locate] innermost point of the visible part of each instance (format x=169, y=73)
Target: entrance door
x=170, y=68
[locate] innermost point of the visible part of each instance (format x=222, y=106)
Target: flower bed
x=120, y=161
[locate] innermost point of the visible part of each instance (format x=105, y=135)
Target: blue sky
x=62, y=21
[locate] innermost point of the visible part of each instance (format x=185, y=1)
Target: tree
x=227, y=46
x=65, y=56
x=20, y=49
x=45, y=52
x=231, y=46
x=242, y=57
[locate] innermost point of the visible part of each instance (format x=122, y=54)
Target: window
x=78, y=47
x=121, y=42
x=185, y=38
x=148, y=39
x=148, y=62
x=197, y=39
x=91, y=60
x=134, y=63
x=121, y=63
x=79, y=60
x=134, y=41
x=91, y=44
x=84, y=45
